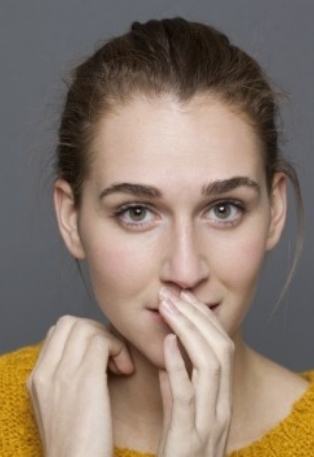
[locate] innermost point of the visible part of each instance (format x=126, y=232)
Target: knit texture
x=19, y=436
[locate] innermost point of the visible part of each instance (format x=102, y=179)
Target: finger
x=122, y=367
x=166, y=396
x=75, y=346
x=223, y=347
x=52, y=350
x=113, y=367
x=43, y=347
x=220, y=342
x=224, y=402
x=206, y=372
x=57, y=342
x=95, y=356
x=205, y=322
x=122, y=359
x=204, y=309
x=194, y=341
x=182, y=412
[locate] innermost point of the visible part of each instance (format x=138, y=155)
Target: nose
x=184, y=265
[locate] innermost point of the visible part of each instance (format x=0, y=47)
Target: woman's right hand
x=69, y=390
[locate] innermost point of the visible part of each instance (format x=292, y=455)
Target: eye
x=134, y=209
x=227, y=212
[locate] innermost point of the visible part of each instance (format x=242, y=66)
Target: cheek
x=118, y=269
x=237, y=269
x=239, y=260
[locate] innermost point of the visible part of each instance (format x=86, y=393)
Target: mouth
x=214, y=306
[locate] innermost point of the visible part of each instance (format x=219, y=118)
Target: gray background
x=40, y=42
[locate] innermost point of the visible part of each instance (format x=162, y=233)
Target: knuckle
x=186, y=397
x=38, y=378
x=224, y=420
x=51, y=329
x=62, y=378
x=225, y=414
x=81, y=325
x=227, y=347
x=89, y=325
x=99, y=339
x=93, y=322
x=215, y=367
x=190, y=398
x=67, y=319
x=49, y=332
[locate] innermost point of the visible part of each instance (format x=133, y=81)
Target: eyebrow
x=212, y=188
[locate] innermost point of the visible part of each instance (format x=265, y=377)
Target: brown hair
x=178, y=57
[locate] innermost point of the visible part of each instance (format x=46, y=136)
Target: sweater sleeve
x=19, y=436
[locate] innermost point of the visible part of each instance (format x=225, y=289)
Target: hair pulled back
x=168, y=56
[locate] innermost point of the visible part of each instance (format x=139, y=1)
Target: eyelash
x=125, y=208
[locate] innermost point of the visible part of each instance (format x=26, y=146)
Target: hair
x=177, y=57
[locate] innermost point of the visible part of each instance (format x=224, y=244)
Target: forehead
x=161, y=137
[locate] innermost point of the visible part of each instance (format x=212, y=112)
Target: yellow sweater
x=19, y=437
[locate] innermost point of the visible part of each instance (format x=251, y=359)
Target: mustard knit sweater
x=19, y=437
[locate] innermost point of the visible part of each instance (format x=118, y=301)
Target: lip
x=214, y=306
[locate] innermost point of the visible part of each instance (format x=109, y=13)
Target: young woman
x=169, y=184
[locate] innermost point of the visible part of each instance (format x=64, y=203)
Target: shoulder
x=284, y=389
x=282, y=419
x=278, y=382
x=297, y=427
x=18, y=430
x=284, y=408
x=24, y=355
x=304, y=403
x=308, y=375
x=16, y=365
x=292, y=410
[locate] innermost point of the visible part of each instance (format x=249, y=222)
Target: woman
x=169, y=179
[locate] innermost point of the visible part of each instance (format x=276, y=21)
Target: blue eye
x=227, y=212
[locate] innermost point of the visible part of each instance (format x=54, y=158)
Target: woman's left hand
x=197, y=412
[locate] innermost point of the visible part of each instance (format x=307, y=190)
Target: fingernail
x=168, y=306
x=186, y=296
x=165, y=293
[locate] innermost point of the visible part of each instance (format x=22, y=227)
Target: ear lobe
x=67, y=217
x=278, y=209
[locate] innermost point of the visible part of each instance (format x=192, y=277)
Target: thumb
x=119, y=351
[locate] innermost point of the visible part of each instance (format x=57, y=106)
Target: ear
x=278, y=208
x=67, y=217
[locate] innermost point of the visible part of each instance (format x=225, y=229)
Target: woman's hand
x=197, y=412
x=69, y=390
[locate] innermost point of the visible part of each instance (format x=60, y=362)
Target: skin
x=183, y=244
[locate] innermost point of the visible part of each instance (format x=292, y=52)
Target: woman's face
x=211, y=244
